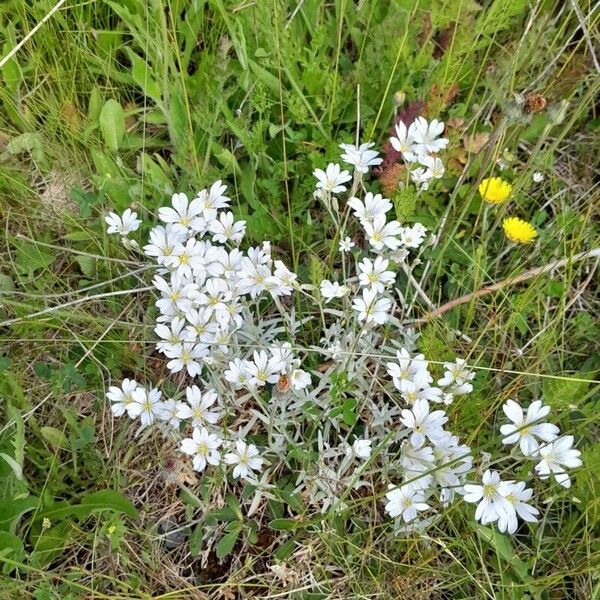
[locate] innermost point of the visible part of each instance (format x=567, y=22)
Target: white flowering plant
x=361, y=412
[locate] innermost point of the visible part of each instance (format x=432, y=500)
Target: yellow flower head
x=495, y=190
x=518, y=230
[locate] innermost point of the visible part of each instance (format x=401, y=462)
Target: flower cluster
x=418, y=144
x=504, y=501
x=240, y=401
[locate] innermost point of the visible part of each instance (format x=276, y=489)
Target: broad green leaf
x=13, y=464
x=30, y=257
x=112, y=124
x=227, y=542
x=11, y=510
x=96, y=501
x=56, y=437
x=143, y=76
x=284, y=524
x=11, y=547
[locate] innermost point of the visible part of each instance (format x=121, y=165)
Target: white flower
x=362, y=448
x=409, y=370
x=374, y=274
x=186, y=258
x=163, y=241
x=283, y=280
x=263, y=369
x=557, y=455
x=172, y=336
x=426, y=136
x=382, y=234
x=124, y=224
x=210, y=201
x=517, y=496
x=412, y=392
x=122, y=398
x=200, y=327
x=435, y=167
x=346, y=245
x=237, y=374
x=404, y=142
x=423, y=423
x=172, y=411
x=149, y=405
x=407, y=501
x=225, y=229
x=282, y=355
x=421, y=178
x=254, y=278
x=246, y=459
x=332, y=179
x=372, y=309
x=300, y=379
x=527, y=428
x=361, y=158
x=175, y=295
x=199, y=405
x=457, y=374
x=373, y=206
x=185, y=213
x=188, y=355
x=491, y=503
x=538, y=177
x=412, y=237
x=203, y=446
x=331, y=290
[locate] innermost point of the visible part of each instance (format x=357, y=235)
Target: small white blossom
x=346, y=245
x=422, y=423
x=426, y=136
x=555, y=457
x=527, y=428
x=199, y=406
x=300, y=379
x=203, y=447
x=491, y=502
x=124, y=224
x=331, y=290
x=374, y=274
x=360, y=158
x=382, y=234
x=246, y=459
x=122, y=398
x=225, y=229
x=263, y=369
x=372, y=309
x=172, y=411
x=374, y=205
x=362, y=448
x=149, y=405
x=517, y=497
x=406, y=501
x=404, y=142
x=332, y=179
x=184, y=213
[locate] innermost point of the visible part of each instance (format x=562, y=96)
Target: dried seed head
x=284, y=384
x=534, y=103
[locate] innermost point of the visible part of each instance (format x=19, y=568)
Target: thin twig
x=506, y=282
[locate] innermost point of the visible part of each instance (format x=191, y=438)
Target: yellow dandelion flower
x=495, y=190
x=518, y=230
